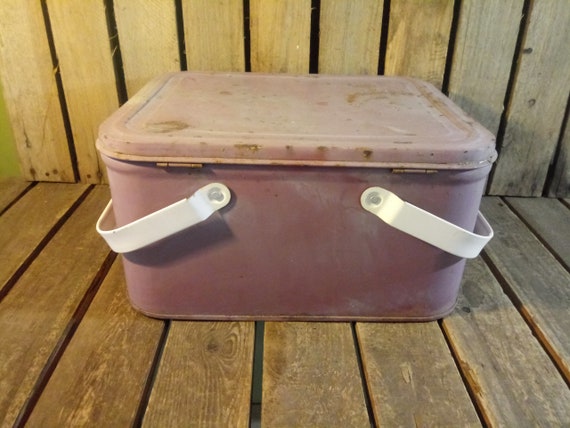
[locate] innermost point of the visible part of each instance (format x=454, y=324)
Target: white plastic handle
x=425, y=226
x=164, y=222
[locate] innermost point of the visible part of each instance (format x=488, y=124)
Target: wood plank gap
x=384, y=37
x=470, y=383
x=315, y=36
x=61, y=93
x=565, y=202
x=257, y=375
x=552, y=178
x=535, y=329
x=152, y=375
x=180, y=33
x=523, y=27
x=63, y=341
x=30, y=186
x=451, y=47
x=246, y=37
x=538, y=236
x=41, y=245
x=365, y=389
x=115, y=48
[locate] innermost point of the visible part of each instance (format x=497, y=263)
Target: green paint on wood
x=9, y=166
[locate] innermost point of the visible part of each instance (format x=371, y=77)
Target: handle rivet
x=215, y=194
x=373, y=199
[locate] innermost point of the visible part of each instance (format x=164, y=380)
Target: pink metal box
x=250, y=196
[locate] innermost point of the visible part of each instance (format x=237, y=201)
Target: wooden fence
x=65, y=65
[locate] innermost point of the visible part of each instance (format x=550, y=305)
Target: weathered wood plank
x=538, y=102
x=513, y=380
x=148, y=39
x=550, y=219
x=28, y=221
x=204, y=378
x=82, y=44
x=560, y=186
x=10, y=189
x=100, y=378
x=412, y=378
x=31, y=95
x=214, y=35
x=349, y=41
x=280, y=36
x=483, y=56
x=311, y=376
x=418, y=37
x=35, y=313
x=539, y=282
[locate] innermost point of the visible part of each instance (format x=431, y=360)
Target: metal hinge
x=178, y=165
x=413, y=171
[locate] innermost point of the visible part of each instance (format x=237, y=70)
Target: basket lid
x=250, y=118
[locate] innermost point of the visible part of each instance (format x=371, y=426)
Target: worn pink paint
x=296, y=153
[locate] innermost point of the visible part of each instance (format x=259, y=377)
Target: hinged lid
x=249, y=118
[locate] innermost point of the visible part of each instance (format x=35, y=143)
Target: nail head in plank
x=214, y=35
x=101, y=376
x=349, y=39
x=86, y=65
x=311, y=376
x=36, y=312
x=31, y=94
x=148, y=38
x=28, y=221
x=481, y=66
x=538, y=102
x=280, y=36
x=549, y=219
x=534, y=276
x=204, y=377
x=512, y=378
x=418, y=37
x=412, y=377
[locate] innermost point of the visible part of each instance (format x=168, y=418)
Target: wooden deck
x=74, y=353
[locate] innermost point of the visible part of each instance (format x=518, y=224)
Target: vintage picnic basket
x=255, y=196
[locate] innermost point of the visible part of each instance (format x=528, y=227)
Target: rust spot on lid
x=251, y=147
x=166, y=126
x=370, y=95
x=366, y=152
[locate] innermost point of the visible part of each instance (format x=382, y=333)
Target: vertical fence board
x=418, y=37
x=484, y=48
x=30, y=92
x=82, y=44
x=538, y=102
x=560, y=185
x=280, y=36
x=350, y=36
x=148, y=38
x=214, y=34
